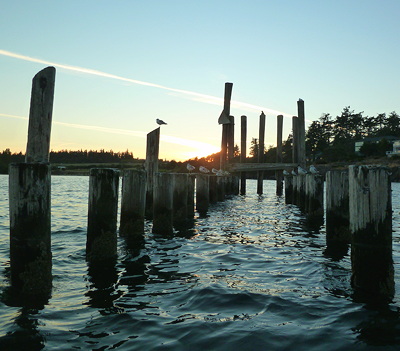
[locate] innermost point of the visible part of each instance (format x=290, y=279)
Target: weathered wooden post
x=301, y=133
x=221, y=188
x=29, y=200
x=235, y=185
x=202, y=193
x=163, y=204
x=295, y=143
x=370, y=209
x=260, y=174
x=225, y=121
x=213, y=189
x=288, y=189
x=190, y=198
x=180, y=199
x=243, y=151
x=337, y=213
x=231, y=138
x=301, y=191
x=279, y=159
x=101, y=241
x=133, y=203
x=151, y=166
x=315, y=199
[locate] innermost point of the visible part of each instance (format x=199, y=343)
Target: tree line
x=70, y=157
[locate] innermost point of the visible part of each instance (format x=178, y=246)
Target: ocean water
x=249, y=276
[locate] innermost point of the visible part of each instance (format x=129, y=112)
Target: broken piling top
x=40, y=116
x=224, y=117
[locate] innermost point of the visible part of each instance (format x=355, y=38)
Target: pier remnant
x=243, y=146
x=301, y=132
x=101, y=242
x=260, y=174
x=370, y=208
x=163, y=204
x=279, y=158
x=203, y=193
x=180, y=199
x=29, y=200
x=133, y=203
x=225, y=121
x=151, y=167
x=337, y=213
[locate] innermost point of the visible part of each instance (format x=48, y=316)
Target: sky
x=121, y=64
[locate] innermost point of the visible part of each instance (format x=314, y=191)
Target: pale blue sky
x=329, y=53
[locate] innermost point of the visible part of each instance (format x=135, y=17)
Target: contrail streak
x=198, y=96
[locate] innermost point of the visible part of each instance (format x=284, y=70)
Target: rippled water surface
x=249, y=276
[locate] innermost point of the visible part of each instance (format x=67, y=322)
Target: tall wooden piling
x=133, y=203
x=40, y=116
x=225, y=121
x=231, y=138
x=213, y=190
x=370, y=209
x=180, y=199
x=221, y=188
x=163, y=204
x=29, y=199
x=301, y=133
x=151, y=166
x=295, y=143
x=101, y=242
x=279, y=158
x=202, y=193
x=260, y=174
x=243, y=151
x=337, y=213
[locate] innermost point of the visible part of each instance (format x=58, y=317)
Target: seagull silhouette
x=313, y=170
x=160, y=121
x=203, y=169
x=190, y=168
x=301, y=171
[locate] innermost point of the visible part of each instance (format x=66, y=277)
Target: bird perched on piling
x=204, y=169
x=285, y=172
x=301, y=171
x=294, y=173
x=214, y=170
x=160, y=122
x=313, y=170
x=190, y=168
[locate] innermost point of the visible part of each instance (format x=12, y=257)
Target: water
x=250, y=276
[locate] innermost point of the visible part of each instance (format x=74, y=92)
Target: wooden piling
x=314, y=197
x=231, y=139
x=101, y=242
x=301, y=133
x=190, y=198
x=260, y=174
x=225, y=121
x=151, y=166
x=30, y=234
x=202, y=193
x=221, y=188
x=163, y=204
x=279, y=158
x=180, y=199
x=301, y=191
x=40, y=116
x=213, y=190
x=243, y=151
x=295, y=143
x=29, y=200
x=370, y=208
x=337, y=213
x=288, y=189
x=133, y=203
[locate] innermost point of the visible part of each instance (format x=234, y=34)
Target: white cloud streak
x=196, y=96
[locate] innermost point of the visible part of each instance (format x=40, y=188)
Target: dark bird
x=160, y=121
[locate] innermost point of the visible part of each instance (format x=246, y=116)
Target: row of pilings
x=358, y=213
